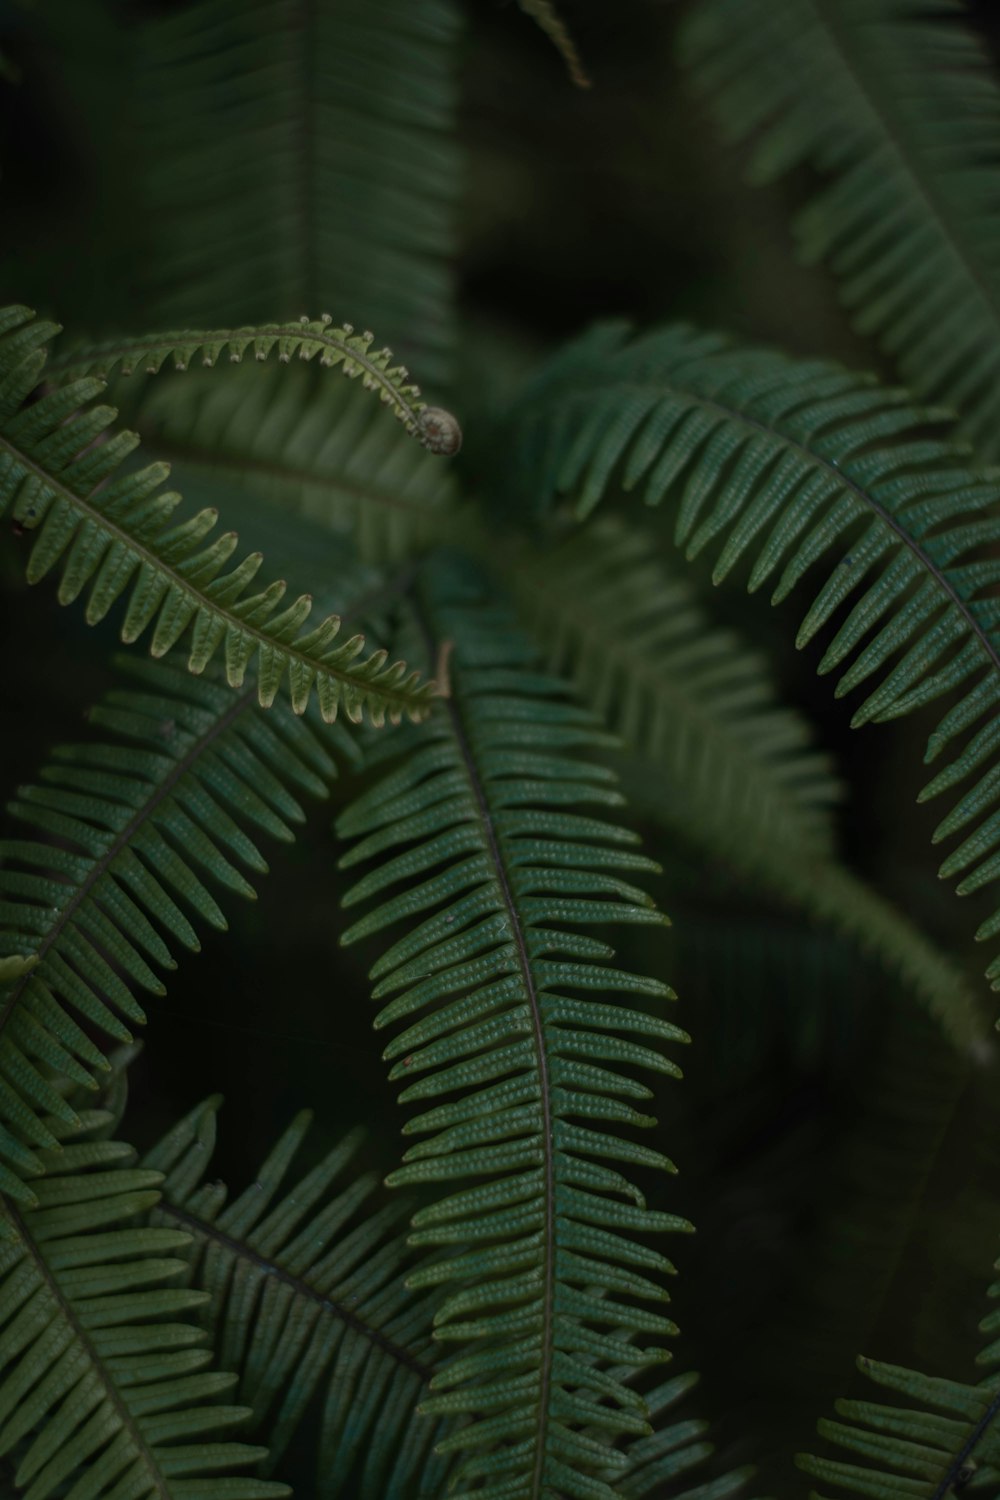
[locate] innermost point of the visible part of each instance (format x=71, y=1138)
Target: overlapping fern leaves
x=487, y=828
x=899, y=109
x=792, y=465
x=104, y=1388
x=313, y=447
x=729, y=769
x=107, y=529
x=309, y=1302
x=131, y=836
x=313, y=146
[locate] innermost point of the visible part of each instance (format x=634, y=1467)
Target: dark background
x=814, y=1096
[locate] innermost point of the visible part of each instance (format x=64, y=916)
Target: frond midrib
x=100, y=867
x=842, y=478
x=495, y=852
x=109, y=1387
x=243, y=1250
x=202, y=602
x=911, y=163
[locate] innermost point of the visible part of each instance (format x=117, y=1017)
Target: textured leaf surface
x=519, y=1041
x=313, y=146
x=135, y=836
x=898, y=108
x=107, y=530
x=105, y=1389
x=796, y=467
x=309, y=1301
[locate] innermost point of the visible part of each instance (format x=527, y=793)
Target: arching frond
x=107, y=530
x=724, y=765
x=314, y=447
x=133, y=833
x=547, y=17
x=946, y=1437
x=898, y=107
x=304, y=157
x=485, y=830
x=332, y=347
x=309, y=1303
x=104, y=1385
x=792, y=465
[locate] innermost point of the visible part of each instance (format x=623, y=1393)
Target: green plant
x=536, y=728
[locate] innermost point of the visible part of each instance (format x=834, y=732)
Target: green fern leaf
x=304, y=157
x=672, y=1451
x=311, y=446
x=110, y=532
x=308, y=1299
x=722, y=765
x=794, y=464
x=332, y=347
x=482, y=832
x=899, y=109
x=104, y=1390
x=143, y=827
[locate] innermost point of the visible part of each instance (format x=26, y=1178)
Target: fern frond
x=143, y=826
x=309, y=1300
x=794, y=465
x=319, y=339
x=108, y=531
x=898, y=107
x=315, y=447
x=928, y=1449
x=304, y=157
x=544, y=13
x=483, y=831
x=104, y=1390
x=720, y=762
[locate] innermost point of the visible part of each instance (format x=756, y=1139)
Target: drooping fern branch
x=333, y=347
x=315, y=447
x=725, y=766
x=107, y=529
x=792, y=465
x=501, y=999
x=138, y=830
x=899, y=109
x=303, y=156
x=104, y=1390
x=309, y=1302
